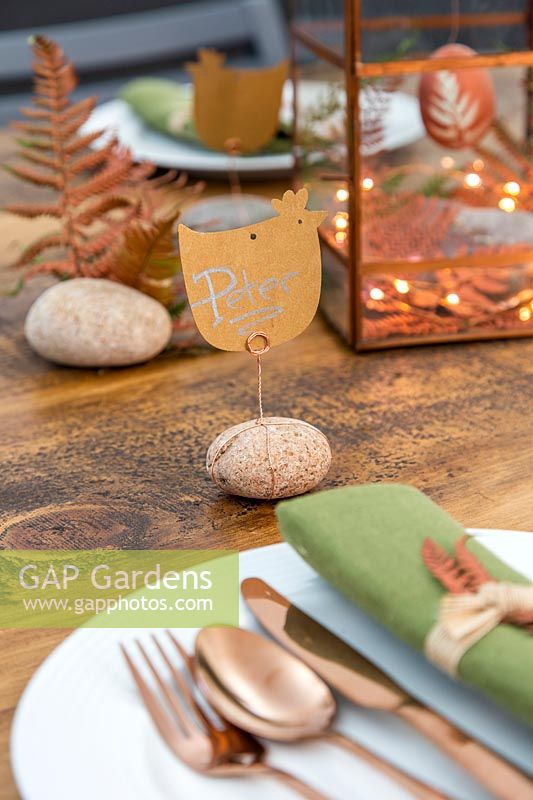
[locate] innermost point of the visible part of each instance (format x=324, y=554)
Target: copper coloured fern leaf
x=473, y=569
x=147, y=259
x=113, y=221
x=443, y=567
x=53, y=154
x=464, y=573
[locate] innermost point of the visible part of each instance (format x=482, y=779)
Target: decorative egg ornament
x=457, y=106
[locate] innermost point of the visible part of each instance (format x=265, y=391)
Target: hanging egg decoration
x=458, y=105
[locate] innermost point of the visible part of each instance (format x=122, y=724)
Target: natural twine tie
x=464, y=619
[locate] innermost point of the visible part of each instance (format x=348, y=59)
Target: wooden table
x=116, y=458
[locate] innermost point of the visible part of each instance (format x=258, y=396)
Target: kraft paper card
x=235, y=106
x=263, y=277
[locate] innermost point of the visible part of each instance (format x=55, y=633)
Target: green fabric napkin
x=366, y=541
x=166, y=106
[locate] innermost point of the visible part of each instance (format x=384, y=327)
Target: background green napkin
x=366, y=541
x=166, y=106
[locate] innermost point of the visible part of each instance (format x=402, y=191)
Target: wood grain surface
x=115, y=458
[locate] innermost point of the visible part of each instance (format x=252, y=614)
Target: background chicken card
x=263, y=277
x=235, y=104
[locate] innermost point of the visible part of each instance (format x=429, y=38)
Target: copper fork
x=219, y=751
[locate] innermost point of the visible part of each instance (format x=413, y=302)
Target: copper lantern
x=416, y=133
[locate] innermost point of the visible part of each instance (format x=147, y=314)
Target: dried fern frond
x=40, y=158
x=34, y=210
x=114, y=221
x=78, y=143
x=148, y=260
x=59, y=159
x=89, y=161
x=35, y=176
x=512, y=149
x=36, y=248
x=61, y=268
x=94, y=209
x=443, y=567
x=464, y=573
x=113, y=173
x=471, y=567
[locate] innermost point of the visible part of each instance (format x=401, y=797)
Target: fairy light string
x=392, y=296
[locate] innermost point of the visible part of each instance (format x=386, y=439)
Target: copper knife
x=362, y=682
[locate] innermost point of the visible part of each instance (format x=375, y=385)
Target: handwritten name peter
x=237, y=301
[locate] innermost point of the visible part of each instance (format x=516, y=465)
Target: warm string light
x=472, y=180
x=401, y=286
x=376, y=294
x=342, y=195
x=447, y=162
x=452, y=299
x=341, y=220
x=507, y=204
x=512, y=188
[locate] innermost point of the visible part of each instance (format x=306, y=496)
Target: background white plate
x=402, y=126
x=81, y=732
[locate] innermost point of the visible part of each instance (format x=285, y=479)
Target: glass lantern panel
x=448, y=210
x=391, y=30
x=452, y=181
x=322, y=20
x=320, y=139
x=446, y=303
x=415, y=28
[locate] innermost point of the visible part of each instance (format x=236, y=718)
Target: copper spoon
x=263, y=689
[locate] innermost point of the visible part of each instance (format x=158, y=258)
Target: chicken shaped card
x=235, y=105
x=263, y=277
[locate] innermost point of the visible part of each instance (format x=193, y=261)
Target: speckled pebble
x=92, y=322
x=238, y=461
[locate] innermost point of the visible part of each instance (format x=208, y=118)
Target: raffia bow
x=465, y=615
x=465, y=618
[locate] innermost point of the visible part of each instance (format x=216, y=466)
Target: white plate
x=402, y=126
x=81, y=732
